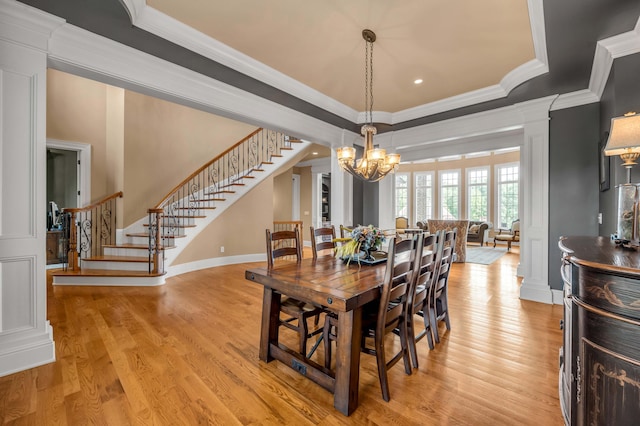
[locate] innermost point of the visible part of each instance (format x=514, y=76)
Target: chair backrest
x=425, y=262
x=446, y=259
x=402, y=223
x=283, y=243
x=425, y=268
x=515, y=228
x=345, y=232
x=397, y=279
x=326, y=235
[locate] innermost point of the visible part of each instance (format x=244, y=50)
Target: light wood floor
x=187, y=353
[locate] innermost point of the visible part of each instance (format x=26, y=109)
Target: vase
x=368, y=254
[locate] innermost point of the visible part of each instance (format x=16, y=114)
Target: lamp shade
x=624, y=136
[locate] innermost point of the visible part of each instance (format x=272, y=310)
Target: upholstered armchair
x=478, y=232
x=508, y=235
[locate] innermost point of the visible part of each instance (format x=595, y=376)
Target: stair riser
x=113, y=251
x=145, y=240
x=115, y=266
x=109, y=281
x=188, y=221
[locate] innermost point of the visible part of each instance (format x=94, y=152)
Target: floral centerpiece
x=363, y=239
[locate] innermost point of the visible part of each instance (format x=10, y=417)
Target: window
x=424, y=196
x=478, y=194
x=402, y=195
x=507, y=181
x=449, y=194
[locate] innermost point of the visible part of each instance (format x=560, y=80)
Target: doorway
x=62, y=180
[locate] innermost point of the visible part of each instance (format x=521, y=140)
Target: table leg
x=345, y=398
x=270, y=316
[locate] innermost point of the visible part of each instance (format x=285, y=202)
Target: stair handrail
x=162, y=203
x=206, y=186
x=80, y=218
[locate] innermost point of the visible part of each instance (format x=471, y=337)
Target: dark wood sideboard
x=55, y=247
x=599, y=381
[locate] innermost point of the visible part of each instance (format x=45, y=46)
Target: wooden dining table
x=341, y=288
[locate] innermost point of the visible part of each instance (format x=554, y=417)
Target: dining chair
x=345, y=232
x=296, y=312
x=323, y=239
x=438, y=299
x=425, y=271
x=390, y=313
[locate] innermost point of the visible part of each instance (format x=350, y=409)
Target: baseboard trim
x=213, y=262
x=39, y=350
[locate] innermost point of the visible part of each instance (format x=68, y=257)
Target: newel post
x=72, y=253
x=155, y=240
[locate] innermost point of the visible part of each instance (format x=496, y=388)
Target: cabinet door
x=608, y=369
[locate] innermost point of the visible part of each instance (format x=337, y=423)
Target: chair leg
x=445, y=308
x=326, y=333
x=427, y=327
x=434, y=323
x=404, y=344
x=382, y=367
x=509, y=245
x=411, y=341
x=303, y=332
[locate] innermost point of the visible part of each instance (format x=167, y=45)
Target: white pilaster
x=341, y=194
x=26, y=338
x=534, y=213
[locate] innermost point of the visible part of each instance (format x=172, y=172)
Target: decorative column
x=341, y=194
x=534, y=211
x=26, y=337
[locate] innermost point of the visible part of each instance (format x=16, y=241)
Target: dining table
x=342, y=288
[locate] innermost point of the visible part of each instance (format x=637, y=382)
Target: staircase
x=144, y=252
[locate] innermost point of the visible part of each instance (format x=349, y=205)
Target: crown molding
x=168, y=28
x=574, y=99
x=75, y=50
x=606, y=51
x=155, y=22
x=494, y=121
x=27, y=26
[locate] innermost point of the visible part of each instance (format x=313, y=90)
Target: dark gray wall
x=573, y=178
x=365, y=202
x=621, y=95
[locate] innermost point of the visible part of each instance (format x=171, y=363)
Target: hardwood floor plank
x=187, y=353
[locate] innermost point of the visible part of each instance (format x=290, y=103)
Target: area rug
x=484, y=255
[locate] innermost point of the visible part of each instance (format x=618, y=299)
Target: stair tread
x=110, y=258
x=197, y=208
x=135, y=246
x=146, y=234
x=105, y=273
x=176, y=226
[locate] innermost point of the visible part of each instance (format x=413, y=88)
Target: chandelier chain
x=368, y=88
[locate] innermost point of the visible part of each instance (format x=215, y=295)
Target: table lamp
x=624, y=140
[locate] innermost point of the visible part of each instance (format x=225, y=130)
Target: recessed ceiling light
x=417, y=81
x=315, y=152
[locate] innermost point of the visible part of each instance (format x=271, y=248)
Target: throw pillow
x=473, y=229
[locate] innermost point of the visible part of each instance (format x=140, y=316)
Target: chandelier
x=375, y=162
